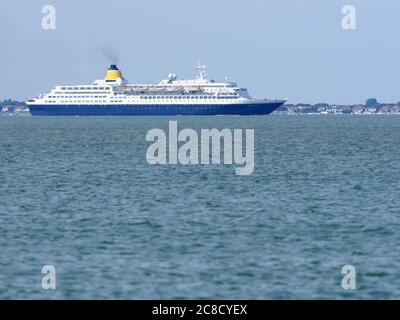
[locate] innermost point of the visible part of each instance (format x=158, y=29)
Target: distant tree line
x=11, y=102
x=372, y=103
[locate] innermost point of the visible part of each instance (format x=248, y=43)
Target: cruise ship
x=115, y=96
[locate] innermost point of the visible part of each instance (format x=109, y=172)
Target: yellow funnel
x=113, y=73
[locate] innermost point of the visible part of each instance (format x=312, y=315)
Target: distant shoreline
x=371, y=107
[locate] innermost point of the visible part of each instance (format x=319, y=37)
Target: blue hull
x=154, y=110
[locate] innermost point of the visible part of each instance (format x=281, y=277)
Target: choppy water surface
x=77, y=193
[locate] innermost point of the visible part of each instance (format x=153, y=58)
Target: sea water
x=78, y=194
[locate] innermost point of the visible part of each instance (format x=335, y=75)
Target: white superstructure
x=114, y=89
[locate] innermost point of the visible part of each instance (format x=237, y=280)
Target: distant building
x=370, y=110
x=358, y=109
x=388, y=108
x=395, y=109
x=344, y=108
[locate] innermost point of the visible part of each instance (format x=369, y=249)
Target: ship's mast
x=201, y=71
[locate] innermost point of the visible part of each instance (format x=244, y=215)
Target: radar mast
x=201, y=71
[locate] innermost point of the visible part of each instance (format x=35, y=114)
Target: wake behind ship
x=114, y=96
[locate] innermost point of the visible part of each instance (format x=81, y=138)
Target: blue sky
x=277, y=48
